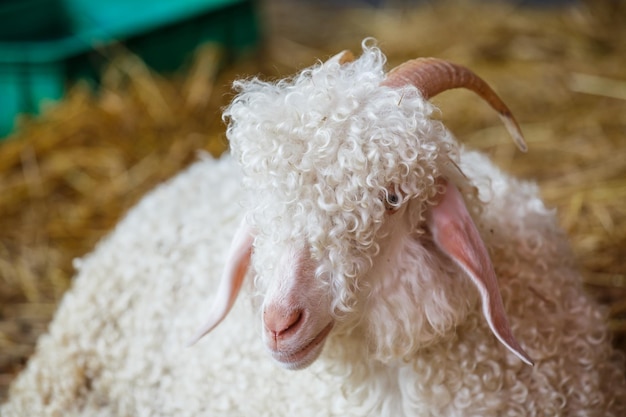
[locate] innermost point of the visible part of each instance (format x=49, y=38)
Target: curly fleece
x=320, y=149
x=413, y=340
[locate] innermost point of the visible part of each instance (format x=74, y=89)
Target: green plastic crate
x=46, y=43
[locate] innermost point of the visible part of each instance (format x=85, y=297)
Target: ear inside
x=456, y=235
x=237, y=264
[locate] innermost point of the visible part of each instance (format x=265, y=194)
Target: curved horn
x=433, y=76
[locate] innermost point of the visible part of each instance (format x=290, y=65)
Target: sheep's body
x=413, y=340
x=116, y=345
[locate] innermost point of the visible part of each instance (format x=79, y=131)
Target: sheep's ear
x=456, y=235
x=235, y=270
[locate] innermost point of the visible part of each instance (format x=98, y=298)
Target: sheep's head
x=342, y=164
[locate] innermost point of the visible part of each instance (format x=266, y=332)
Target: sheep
x=387, y=271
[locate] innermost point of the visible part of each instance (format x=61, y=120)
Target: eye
x=392, y=201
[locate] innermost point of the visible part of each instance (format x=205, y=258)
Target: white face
x=318, y=154
x=301, y=298
x=296, y=310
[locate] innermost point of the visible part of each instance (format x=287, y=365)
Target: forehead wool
x=320, y=150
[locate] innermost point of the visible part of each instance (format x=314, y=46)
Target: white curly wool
x=326, y=144
x=117, y=347
x=410, y=337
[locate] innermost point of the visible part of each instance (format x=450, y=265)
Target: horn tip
x=346, y=56
x=514, y=130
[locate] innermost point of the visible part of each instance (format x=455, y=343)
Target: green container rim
x=123, y=22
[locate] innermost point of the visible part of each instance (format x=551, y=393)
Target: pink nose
x=280, y=322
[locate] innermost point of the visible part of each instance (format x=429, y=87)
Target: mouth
x=304, y=356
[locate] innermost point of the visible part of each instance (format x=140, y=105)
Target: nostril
x=280, y=321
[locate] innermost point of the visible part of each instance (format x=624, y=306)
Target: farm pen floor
x=68, y=176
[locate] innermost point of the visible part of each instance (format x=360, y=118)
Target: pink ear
x=237, y=264
x=456, y=235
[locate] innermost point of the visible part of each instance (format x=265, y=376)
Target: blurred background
x=101, y=101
